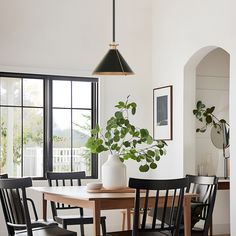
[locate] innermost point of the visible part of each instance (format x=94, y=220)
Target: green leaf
x=101, y=148
x=116, y=138
x=222, y=121
x=157, y=158
x=99, y=142
x=143, y=157
x=126, y=122
x=198, y=115
x=151, y=153
x=203, y=105
x=160, y=145
x=208, y=119
x=133, y=111
x=149, y=159
x=96, y=130
x=122, y=121
x=133, y=151
x=119, y=115
x=107, y=135
x=136, y=134
x=126, y=144
x=161, y=152
x=157, y=152
x=211, y=109
x=124, y=131
x=164, y=151
x=114, y=146
x=116, y=132
x=126, y=156
x=153, y=165
x=149, y=139
x=199, y=104
x=144, y=133
x=120, y=105
x=202, y=130
x=144, y=168
x=162, y=141
x=132, y=128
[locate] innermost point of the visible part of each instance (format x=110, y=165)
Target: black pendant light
x=113, y=63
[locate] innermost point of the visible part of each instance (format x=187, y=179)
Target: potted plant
x=124, y=141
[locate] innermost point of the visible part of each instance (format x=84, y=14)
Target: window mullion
x=94, y=99
x=71, y=127
x=48, y=134
x=22, y=131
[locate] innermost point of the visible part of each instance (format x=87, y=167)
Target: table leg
x=44, y=209
x=187, y=216
x=128, y=219
x=96, y=218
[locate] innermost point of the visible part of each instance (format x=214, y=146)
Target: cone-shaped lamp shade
x=113, y=64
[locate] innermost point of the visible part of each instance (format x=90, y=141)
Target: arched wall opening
x=196, y=152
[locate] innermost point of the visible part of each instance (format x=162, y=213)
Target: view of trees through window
x=71, y=125
x=24, y=126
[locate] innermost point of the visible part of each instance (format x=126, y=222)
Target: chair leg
x=128, y=218
x=82, y=229
x=211, y=228
x=104, y=230
x=123, y=215
x=64, y=225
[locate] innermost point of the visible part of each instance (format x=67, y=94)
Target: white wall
x=70, y=38
x=181, y=29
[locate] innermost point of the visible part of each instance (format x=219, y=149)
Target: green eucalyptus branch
x=207, y=118
x=123, y=138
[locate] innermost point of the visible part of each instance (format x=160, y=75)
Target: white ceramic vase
x=114, y=173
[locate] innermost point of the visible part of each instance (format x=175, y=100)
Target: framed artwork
x=162, y=113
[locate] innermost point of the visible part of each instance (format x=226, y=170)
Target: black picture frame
x=162, y=113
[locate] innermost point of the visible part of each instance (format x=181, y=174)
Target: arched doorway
x=206, y=78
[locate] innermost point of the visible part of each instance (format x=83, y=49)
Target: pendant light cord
x=114, y=38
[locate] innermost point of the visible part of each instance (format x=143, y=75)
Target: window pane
x=61, y=93
x=10, y=91
x=81, y=132
x=10, y=157
x=61, y=140
x=33, y=92
x=81, y=92
x=33, y=142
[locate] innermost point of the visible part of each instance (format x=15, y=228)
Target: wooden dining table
x=97, y=201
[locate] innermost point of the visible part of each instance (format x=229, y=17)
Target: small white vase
x=114, y=173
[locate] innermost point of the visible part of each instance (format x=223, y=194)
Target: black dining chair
x=205, y=187
x=35, y=221
x=167, y=194
x=71, y=179
x=203, y=205
x=16, y=212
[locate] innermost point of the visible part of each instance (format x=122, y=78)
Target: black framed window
x=45, y=122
